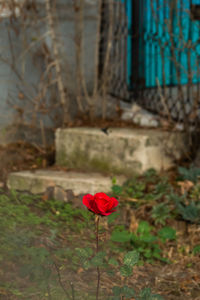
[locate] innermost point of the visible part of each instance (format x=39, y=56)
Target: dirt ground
x=179, y=280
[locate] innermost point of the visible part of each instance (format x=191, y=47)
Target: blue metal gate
x=163, y=44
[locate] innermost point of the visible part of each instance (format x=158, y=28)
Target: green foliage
x=167, y=233
x=126, y=270
x=117, y=190
x=121, y=236
x=144, y=241
x=129, y=293
x=131, y=258
x=137, y=187
x=84, y=253
x=196, y=250
x=195, y=193
x=131, y=188
x=144, y=228
x=98, y=259
x=112, y=217
x=162, y=188
x=113, y=262
x=146, y=294
x=65, y=212
x=160, y=213
x=124, y=291
x=28, y=225
x=191, y=174
x=134, y=188
x=150, y=175
x=188, y=209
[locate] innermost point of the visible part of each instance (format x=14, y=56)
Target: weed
x=150, y=176
x=160, y=213
x=143, y=240
x=188, y=209
x=131, y=188
x=128, y=293
x=196, y=250
x=190, y=174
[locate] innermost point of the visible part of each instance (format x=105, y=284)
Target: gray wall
x=27, y=62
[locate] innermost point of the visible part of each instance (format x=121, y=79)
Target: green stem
x=97, y=249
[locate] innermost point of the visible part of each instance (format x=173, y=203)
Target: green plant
x=161, y=188
x=146, y=242
x=34, y=234
x=143, y=241
x=131, y=188
x=195, y=193
x=196, y=250
x=160, y=213
x=188, y=209
x=100, y=204
x=117, y=190
x=29, y=228
x=191, y=174
x=134, y=188
x=128, y=293
x=150, y=176
x=167, y=233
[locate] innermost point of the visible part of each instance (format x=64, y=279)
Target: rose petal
x=102, y=195
x=87, y=200
x=108, y=213
x=105, y=203
x=100, y=203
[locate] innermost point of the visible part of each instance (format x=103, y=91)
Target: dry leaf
x=185, y=186
x=21, y=96
x=80, y=270
x=133, y=224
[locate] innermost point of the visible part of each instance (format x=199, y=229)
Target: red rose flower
x=100, y=203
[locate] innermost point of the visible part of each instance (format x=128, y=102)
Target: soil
x=180, y=280
x=177, y=280
x=23, y=156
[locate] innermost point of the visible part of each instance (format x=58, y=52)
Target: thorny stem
x=97, y=249
x=60, y=280
x=72, y=287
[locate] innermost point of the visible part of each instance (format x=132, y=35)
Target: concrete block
x=59, y=184
x=122, y=151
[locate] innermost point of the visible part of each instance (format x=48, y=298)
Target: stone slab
x=122, y=150
x=41, y=181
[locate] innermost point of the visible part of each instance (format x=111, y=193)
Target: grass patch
x=47, y=247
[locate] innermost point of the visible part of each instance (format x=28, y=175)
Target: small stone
x=69, y=195
x=179, y=126
x=148, y=121
x=127, y=115
x=60, y=194
x=1, y=184
x=49, y=193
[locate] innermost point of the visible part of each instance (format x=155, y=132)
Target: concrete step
x=121, y=150
x=61, y=184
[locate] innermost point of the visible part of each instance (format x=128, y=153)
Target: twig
x=63, y=96
x=73, y=293
x=96, y=58
x=60, y=280
x=163, y=100
x=97, y=249
x=105, y=73
x=43, y=134
x=49, y=291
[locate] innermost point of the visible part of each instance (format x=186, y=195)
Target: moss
x=80, y=160
x=61, y=159
x=25, y=184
